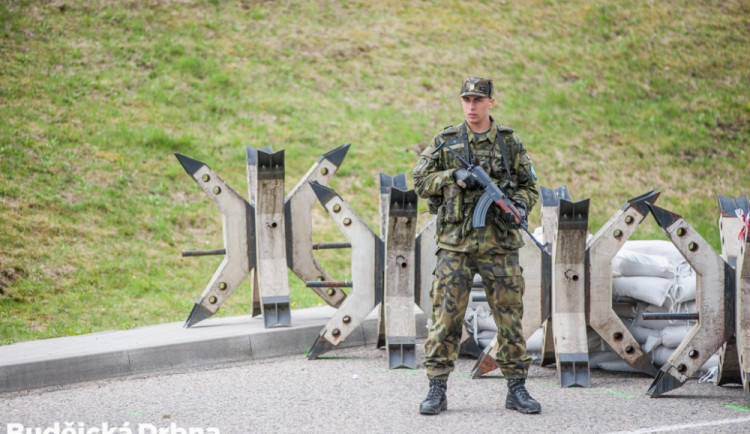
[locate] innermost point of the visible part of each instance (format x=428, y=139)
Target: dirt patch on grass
x=7, y=277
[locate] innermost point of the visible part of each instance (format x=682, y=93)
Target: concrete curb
x=60, y=361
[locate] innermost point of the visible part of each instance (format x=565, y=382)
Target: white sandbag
x=632, y=263
x=661, y=354
x=641, y=334
x=711, y=363
x=617, y=366
x=595, y=342
x=652, y=290
x=685, y=289
x=534, y=342
x=486, y=334
x=596, y=358
x=687, y=306
x=478, y=320
x=685, y=269
x=682, y=306
x=624, y=310
x=485, y=321
x=469, y=320
x=483, y=343
x=651, y=343
x=655, y=247
x=673, y=335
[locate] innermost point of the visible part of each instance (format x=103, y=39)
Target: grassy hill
x=612, y=99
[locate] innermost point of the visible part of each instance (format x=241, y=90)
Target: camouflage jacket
x=454, y=207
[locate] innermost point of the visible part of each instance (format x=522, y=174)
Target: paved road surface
x=353, y=391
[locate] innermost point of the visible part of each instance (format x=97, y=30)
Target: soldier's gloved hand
x=511, y=218
x=464, y=179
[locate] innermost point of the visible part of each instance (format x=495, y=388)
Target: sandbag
x=685, y=289
x=655, y=247
x=711, y=363
x=484, y=343
x=673, y=335
x=595, y=342
x=485, y=334
x=596, y=358
x=661, y=354
x=624, y=310
x=641, y=334
x=652, y=290
x=679, y=306
x=479, y=319
x=617, y=366
x=651, y=343
x=632, y=263
x=534, y=343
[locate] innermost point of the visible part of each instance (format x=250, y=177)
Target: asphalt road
x=352, y=390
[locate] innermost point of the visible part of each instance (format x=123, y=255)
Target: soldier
x=492, y=251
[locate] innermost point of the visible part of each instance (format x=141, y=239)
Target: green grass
x=612, y=100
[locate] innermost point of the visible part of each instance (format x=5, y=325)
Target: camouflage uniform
x=491, y=251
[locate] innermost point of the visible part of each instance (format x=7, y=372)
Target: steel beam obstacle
x=297, y=209
x=238, y=223
x=384, y=273
x=386, y=183
x=569, y=293
x=582, y=288
x=722, y=289
x=743, y=303
x=600, y=251
x=425, y=249
x=400, y=321
x=733, y=247
x=271, y=264
x=580, y=275
x=716, y=289
x=266, y=227
x=366, y=271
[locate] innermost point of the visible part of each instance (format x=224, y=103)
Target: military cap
x=477, y=86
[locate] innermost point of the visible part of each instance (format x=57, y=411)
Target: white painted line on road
x=685, y=426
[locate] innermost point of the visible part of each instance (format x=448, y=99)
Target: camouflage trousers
x=504, y=285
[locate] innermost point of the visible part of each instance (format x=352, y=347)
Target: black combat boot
x=519, y=398
x=436, y=400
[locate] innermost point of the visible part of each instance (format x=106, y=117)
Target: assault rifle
x=492, y=194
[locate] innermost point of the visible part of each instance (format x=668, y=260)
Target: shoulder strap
x=503, y=149
x=465, y=139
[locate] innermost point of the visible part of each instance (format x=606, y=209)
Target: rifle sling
x=498, y=137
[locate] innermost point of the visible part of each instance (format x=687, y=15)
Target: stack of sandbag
x=480, y=324
x=652, y=276
x=647, y=276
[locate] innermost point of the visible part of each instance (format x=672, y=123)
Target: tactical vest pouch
x=433, y=204
x=452, y=204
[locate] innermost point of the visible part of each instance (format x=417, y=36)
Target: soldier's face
x=477, y=110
